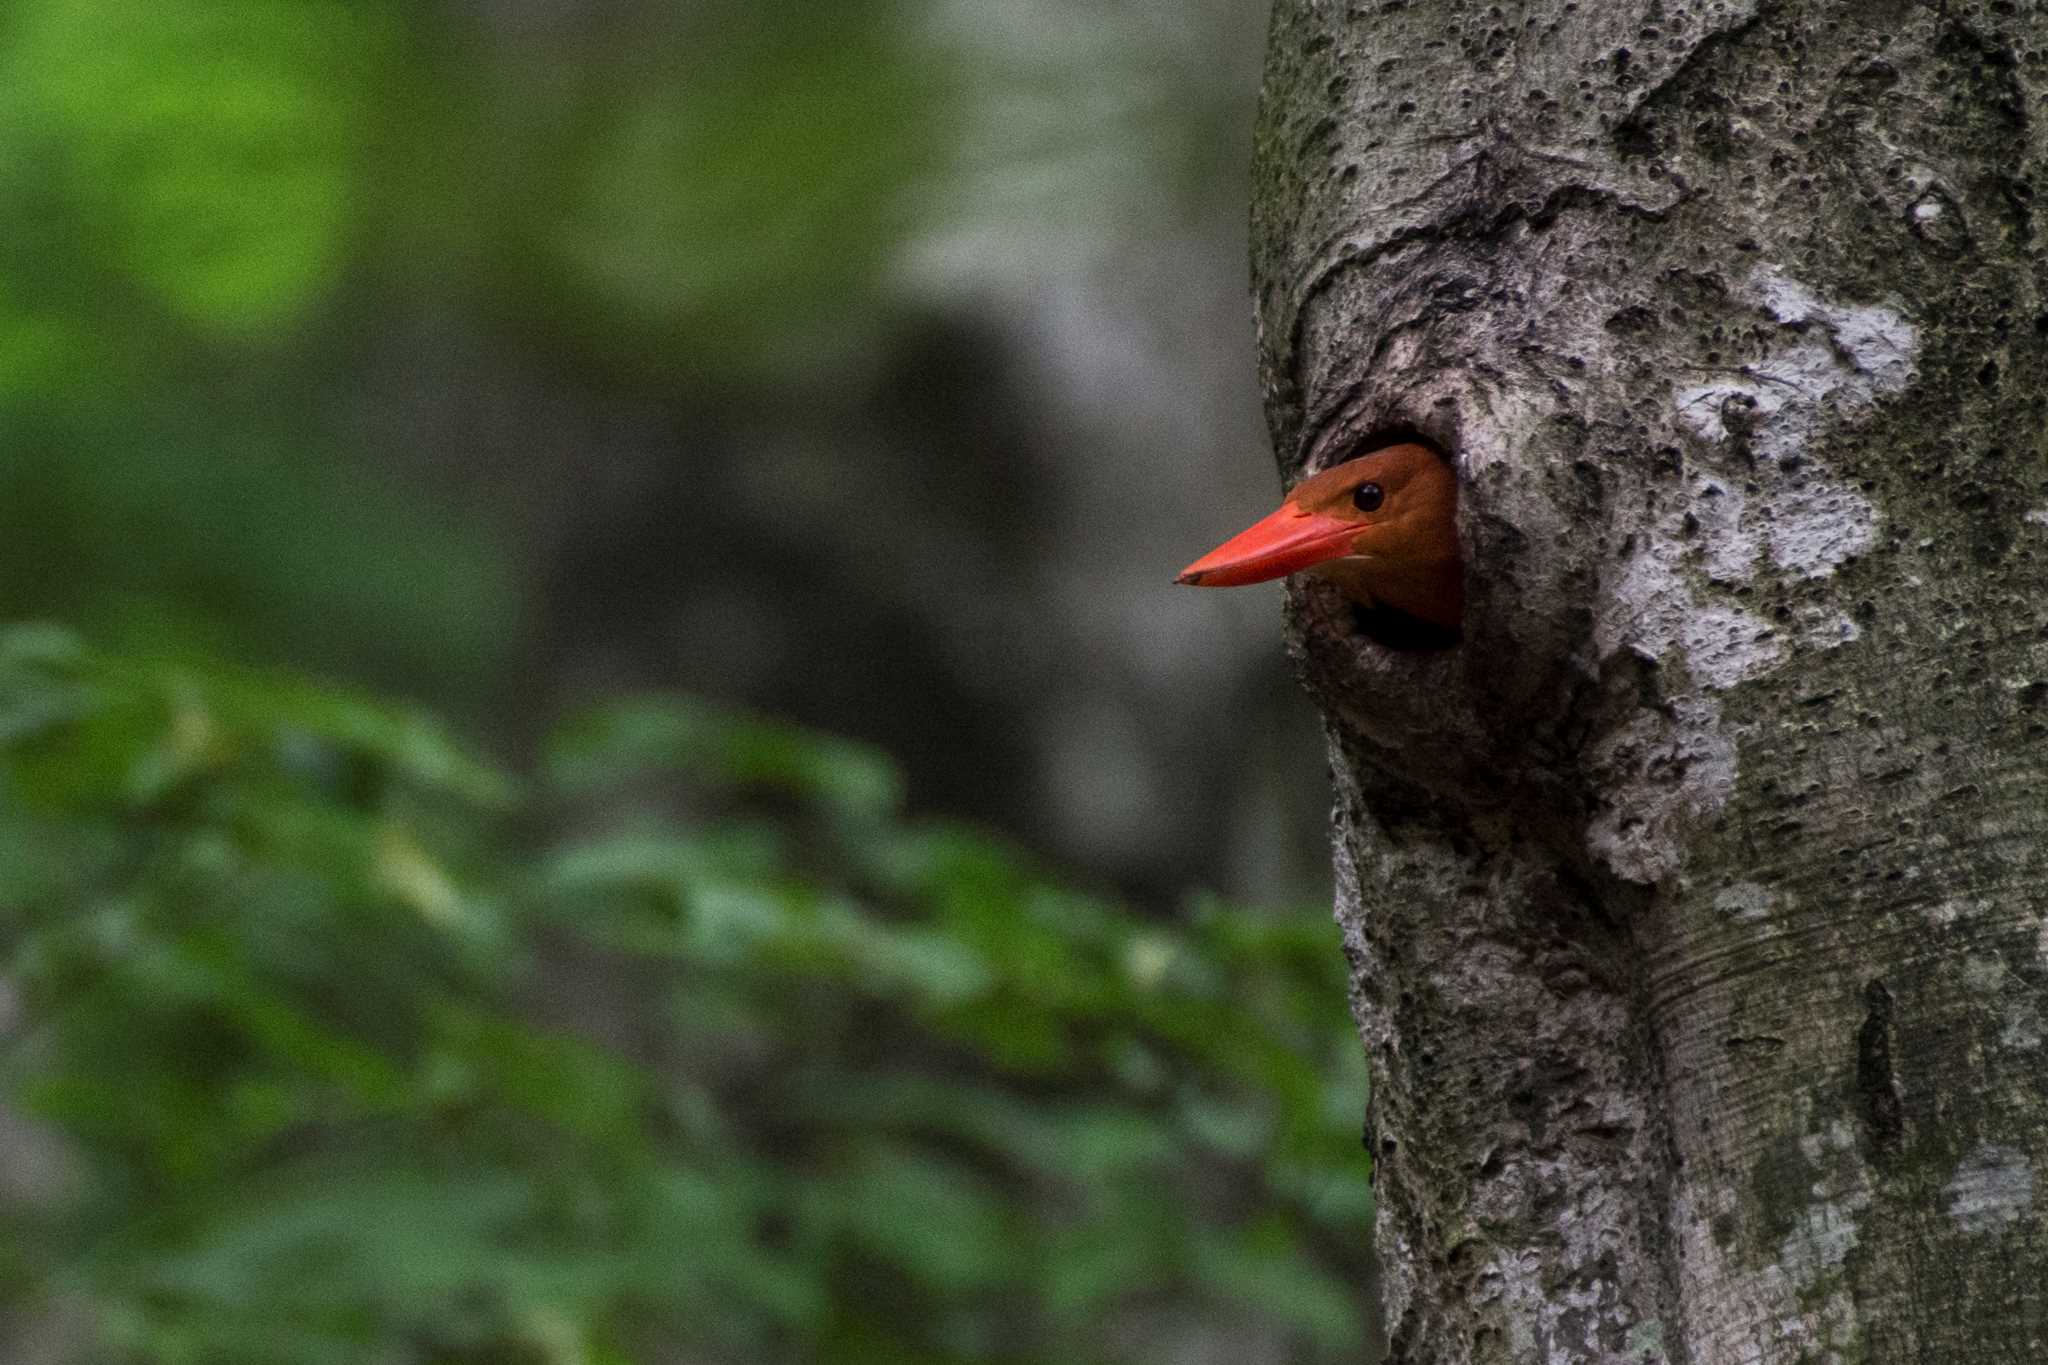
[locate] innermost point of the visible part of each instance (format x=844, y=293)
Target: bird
x=1383, y=527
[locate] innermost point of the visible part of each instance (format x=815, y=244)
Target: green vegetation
x=357, y=1049
x=324, y=1038
x=241, y=229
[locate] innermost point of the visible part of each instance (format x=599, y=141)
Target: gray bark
x=1698, y=901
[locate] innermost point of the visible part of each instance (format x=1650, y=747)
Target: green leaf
x=222, y=140
x=937, y=1221
x=1272, y=1276
x=739, y=214
x=714, y=747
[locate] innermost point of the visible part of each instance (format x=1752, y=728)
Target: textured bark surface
x=1698, y=901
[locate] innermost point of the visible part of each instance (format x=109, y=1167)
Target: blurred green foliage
x=326, y=1039
x=230, y=218
x=686, y=1046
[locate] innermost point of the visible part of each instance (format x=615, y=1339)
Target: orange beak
x=1287, y=542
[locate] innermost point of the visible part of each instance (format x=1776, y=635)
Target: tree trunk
x=1698, y=901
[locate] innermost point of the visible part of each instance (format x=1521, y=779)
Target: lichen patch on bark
x=1829, y=364
x=1992, y=1186
x=1826, y=364
x=1661, y=775
x=1745, y=901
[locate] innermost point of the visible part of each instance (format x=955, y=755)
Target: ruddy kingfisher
x=1382, y=527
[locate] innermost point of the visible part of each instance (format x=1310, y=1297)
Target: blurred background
x=601, y=762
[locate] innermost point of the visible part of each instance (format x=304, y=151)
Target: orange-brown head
x=1384, y=527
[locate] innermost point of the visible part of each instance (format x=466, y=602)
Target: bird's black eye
x=1367, y=497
